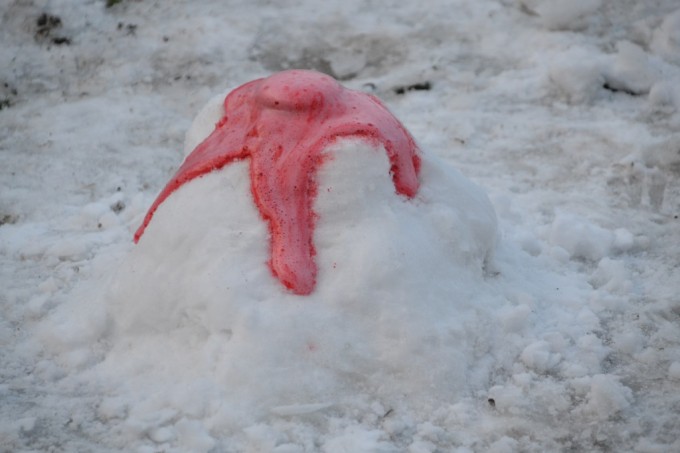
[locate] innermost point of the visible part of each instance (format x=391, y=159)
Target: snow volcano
x=305, y=252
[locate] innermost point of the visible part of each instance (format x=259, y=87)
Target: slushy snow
x=529, y=305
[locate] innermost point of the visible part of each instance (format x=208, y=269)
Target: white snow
x=560, y=15
x=564, y=113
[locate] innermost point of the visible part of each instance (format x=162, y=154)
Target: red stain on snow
x=283, y=123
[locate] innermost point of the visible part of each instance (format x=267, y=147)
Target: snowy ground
x=566, y=113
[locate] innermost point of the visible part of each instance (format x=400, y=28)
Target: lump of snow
x=607, y=396
x=578, y=75
x=581, y=238
x=629, y=342
x=539, y=357
x=399, y=273
x=611, y=275
x=631, y=72
x=623, y=240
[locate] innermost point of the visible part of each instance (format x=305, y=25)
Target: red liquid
x=283, y=123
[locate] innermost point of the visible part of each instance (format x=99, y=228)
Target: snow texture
x=563, y=114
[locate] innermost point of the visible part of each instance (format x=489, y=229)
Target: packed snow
x=526, y=299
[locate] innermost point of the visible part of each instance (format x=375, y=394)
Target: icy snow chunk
x=581, y=238
x=607, y=396
x=578, y=75
x=631, y=71
x=611, y=275
x=623, y=240
x=538, y=356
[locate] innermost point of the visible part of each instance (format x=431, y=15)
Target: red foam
x=283, y=123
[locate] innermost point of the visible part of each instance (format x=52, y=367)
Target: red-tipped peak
x=283, y=123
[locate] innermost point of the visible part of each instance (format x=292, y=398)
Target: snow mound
x=396, y=289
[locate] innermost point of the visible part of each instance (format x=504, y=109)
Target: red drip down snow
x=283, y=123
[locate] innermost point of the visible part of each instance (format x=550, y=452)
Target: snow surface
x=565, y=113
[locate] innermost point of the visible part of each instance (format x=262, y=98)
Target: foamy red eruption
x=283, y=123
